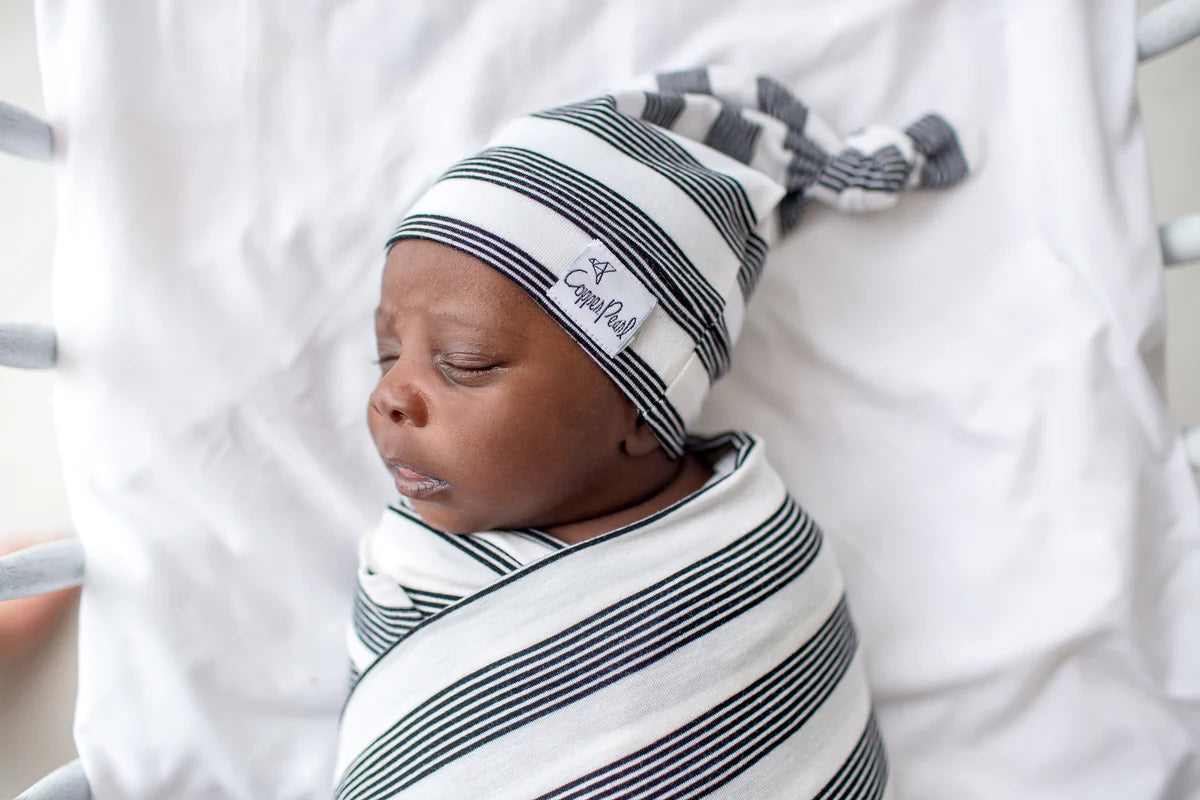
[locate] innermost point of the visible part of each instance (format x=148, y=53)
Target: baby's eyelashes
x=464, y=369
x=469, y=372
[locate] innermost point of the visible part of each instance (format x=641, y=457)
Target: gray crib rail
x=1180, y=240
x=1163, y=28
x=65, y=783
x=42, y=568
x=1167, y=26
x=1191, y=442
x=1160, y=29
x=52, y=566
x=22, y=134
x=28, y=346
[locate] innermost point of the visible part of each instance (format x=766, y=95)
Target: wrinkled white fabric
x=965, y=393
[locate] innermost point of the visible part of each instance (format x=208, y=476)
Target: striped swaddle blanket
x=705, y=651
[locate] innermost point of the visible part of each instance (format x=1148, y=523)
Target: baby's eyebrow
x=464, y=320
x=489, y=327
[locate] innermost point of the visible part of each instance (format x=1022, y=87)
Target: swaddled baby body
x=574, y=597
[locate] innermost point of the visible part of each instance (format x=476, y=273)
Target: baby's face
x=487, y=413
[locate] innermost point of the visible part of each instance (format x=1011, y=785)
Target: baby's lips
x=409, y=472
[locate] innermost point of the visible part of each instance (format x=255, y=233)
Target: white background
x=36, y=692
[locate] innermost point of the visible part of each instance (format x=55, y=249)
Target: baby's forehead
x=446, y=285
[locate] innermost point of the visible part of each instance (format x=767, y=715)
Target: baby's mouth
x=413, y=484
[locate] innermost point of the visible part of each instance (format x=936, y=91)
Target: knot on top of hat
x=758, y=122
x=876, y=163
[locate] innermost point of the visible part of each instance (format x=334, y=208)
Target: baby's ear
x=640, y=440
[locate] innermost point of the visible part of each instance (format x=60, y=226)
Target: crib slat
x=1167, y=26
x=66, y=783
x=1180, y=240
x=41, y=569
x=28, y=346
x=1191, y=441
x=22, y=134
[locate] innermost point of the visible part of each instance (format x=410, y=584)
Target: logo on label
x=603, y=298
x=601, y=268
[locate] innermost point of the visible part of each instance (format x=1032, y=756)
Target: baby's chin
x=449, y=519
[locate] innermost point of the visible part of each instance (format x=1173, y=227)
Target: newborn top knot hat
x=640, y=220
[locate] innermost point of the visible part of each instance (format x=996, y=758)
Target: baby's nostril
x=396, y=415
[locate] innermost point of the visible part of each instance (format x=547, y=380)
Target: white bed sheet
x=965, y=391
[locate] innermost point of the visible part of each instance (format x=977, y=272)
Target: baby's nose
x=399, y=400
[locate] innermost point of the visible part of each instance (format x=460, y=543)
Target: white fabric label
x=603, y=297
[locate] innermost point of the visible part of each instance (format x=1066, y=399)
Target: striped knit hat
x=640, y=220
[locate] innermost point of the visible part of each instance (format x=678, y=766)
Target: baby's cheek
x=475, y=439
x=514, y=453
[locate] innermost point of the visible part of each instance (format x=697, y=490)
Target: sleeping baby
x=573, y=597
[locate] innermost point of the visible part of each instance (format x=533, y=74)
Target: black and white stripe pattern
x=864, y=774
x=694, y=759
x=726, y=609
x=662, y=109
x=681, y=288
x=379, y=626
x=721, y=198
x=686, y=179
x=945, y=164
